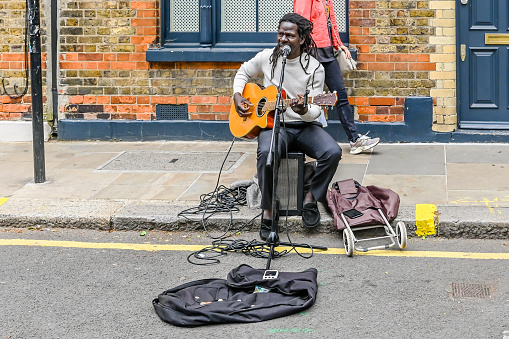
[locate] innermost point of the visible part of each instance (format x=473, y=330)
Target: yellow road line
x=3, y=201
x=154, y=247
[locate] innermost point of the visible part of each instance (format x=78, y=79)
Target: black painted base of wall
x=416, y=128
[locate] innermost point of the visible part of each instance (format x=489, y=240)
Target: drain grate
x=172, y=161
x=462, y=290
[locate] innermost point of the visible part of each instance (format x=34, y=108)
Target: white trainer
x=363, y=143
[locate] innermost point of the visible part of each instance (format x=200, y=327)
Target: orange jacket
x=314, y=10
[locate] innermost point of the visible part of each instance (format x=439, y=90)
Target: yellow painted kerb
x=425, y=219
x=3, y=201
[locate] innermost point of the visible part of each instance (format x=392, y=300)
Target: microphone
x=286, y=51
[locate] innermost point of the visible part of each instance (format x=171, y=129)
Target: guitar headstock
x=328, y=99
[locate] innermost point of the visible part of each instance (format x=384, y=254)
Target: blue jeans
x=334, y=81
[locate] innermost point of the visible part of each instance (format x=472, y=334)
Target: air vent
x=171, y=112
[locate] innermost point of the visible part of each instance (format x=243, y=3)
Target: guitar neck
x=271, y=105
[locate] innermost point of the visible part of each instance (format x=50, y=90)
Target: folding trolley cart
x=356, y=208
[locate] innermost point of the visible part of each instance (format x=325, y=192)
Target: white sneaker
x=363, y=143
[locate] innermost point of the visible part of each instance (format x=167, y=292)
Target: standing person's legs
x=335, y=82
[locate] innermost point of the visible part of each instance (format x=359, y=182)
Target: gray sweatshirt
x=295, y=82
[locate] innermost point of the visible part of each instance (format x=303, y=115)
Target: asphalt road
x=72, y=290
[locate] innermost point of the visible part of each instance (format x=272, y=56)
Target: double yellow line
x=192, y=248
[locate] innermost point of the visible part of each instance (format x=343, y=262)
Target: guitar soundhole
x=259, y=108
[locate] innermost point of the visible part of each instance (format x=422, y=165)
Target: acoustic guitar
x=262, y=111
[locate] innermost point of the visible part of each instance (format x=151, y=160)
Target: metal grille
x=270, y=12
x=461, y=290
x=340, y=12
x=238, y=16
x=290, y=192
x=171, y=112
x=184, y=15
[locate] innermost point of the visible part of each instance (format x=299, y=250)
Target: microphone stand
x=273, y=162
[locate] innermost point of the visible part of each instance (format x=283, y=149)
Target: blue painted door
x=483, y=64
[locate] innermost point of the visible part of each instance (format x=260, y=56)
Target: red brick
x=124, y=108
x=379, y=118
x=361, y=101
x=381, y=66
x=224, y=100
x=143, y=108
x=90, y=65
x=110, y=56
x=220, y=108
x=382, y=110
x=222, y=117
x=71, y=65
x=13, y=57
x=401, y=66
x=142, y=65
x=143, y=100
x=204, y=100
x=90, y=57
x=76, y=100
x=397, y=110
x=123, y=56
x=422, y=66
x=403, y=57
x=103, y=99
x=143, y=4
x=363, y=22
x=382, y=57
x=381, y=101
x=366, y=110
x=183, y=100
x=144, y=116
x=203, y=109
x=89, y=99
x=163, y=100
x=143, y=22
x=104, y=65
x=123, y=65
x=366, y=57
x=362, y=4
x=361, y=39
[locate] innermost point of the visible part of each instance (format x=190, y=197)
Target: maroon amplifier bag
x=349, y=194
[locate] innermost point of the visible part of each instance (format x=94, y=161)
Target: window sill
x=193, y=54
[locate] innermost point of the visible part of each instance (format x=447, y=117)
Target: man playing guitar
x=302, y=130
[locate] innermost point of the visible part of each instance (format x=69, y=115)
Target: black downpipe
x=34, y=25
x=54, y=65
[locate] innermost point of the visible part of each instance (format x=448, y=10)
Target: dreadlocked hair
x=308, y=48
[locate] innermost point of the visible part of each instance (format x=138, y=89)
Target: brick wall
x=12, y=62
x=403, y=51
x=393, y=40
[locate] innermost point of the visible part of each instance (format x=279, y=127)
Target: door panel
x=483, y=73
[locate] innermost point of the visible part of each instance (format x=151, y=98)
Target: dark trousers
x=309, y=139
x=335, y=82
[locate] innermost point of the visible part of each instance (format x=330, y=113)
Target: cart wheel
x=348, y=241
x=401, y=234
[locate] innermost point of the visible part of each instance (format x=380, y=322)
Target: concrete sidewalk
x=144, y=185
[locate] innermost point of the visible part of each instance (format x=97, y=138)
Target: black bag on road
x=244, y=297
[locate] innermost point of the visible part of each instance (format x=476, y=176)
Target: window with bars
x=224, y=30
